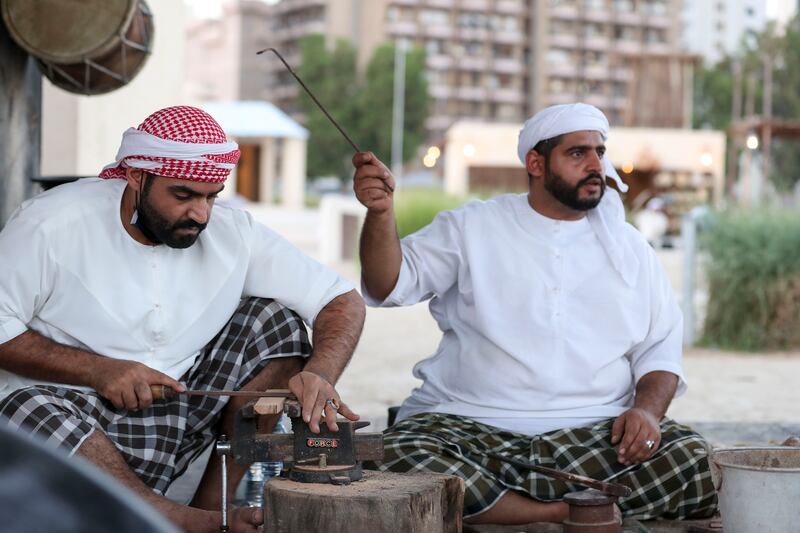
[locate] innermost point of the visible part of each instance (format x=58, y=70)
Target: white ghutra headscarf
x=608, y=218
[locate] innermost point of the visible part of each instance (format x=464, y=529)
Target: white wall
x=81, y=134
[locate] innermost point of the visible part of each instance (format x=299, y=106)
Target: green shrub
x=754, y=280
x=415, y=208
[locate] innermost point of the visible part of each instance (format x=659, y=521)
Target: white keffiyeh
x=608, y=218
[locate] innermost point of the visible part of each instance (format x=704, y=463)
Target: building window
x=623, y=6
x=473, y=48
x=558, y=56
x=434, y=47
x=655, y=7
x=561, y=27
x=502, y=51
x=434, y=17
x=592, y=30
x=472, y=19
x=655, y=36
x=624, y=33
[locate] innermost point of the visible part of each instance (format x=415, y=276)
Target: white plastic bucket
x=759, y=488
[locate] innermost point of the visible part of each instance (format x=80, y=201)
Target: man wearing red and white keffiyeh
x=181, y=143
x=125, y=282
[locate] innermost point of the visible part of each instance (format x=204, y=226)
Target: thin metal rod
x=308, y=91
x=615, y=489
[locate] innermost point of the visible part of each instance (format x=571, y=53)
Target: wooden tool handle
x=162, y=392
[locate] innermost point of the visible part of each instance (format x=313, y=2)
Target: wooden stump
x=382, y=502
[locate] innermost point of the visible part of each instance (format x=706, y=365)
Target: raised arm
x=380, y=246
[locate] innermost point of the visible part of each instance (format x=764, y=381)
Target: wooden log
x=382, y=502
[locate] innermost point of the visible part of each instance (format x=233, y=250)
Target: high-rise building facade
x=495, y=60
x=717, y=28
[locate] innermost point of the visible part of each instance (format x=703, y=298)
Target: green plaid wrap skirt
x=675, y=483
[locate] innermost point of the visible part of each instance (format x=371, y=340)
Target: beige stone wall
x=81, y=134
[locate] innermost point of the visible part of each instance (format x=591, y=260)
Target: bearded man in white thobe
x=561, y=337
x=113, y=285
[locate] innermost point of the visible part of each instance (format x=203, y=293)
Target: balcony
x=440, y=91
x=569, y=13
x=507, y=96
x=628, y=47
x=473, y=34
x=295, y=31
x=564, y=40
x=296, y=5
x=510, y=7
x=628, y=17
x=439, y=62
x=595, y=43
x=565, y=70
x=473, y=94
x=596, y=72
x=659, y=21
x=438, y=32
x=597, y=100
x=658, y=48
x=596, y=16
x=446, y=4
x=475, y=5
x=401, y=27
x=507, y=66
x=508, y=37
x=472, y=63
x=560, y=98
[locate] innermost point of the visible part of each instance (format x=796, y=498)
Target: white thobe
x=540, y=332
x=70, y=271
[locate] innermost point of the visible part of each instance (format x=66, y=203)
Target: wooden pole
x=736, y=115
x=746, y=173
x=20, y=125
x=766, y=131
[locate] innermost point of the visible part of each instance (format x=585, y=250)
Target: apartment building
x=716, y=28
x=492, y=60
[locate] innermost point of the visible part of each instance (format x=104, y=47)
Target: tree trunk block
x=382, y=502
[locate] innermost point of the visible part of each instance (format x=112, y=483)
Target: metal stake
x=223, y=449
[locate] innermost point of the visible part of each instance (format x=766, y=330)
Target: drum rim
x=98, y=51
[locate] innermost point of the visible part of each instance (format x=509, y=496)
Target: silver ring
x=649, y=444
x=331, y=402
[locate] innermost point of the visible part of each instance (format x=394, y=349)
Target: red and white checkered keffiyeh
x=177, y=142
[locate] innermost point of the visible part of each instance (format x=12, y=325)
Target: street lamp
x=752, y=141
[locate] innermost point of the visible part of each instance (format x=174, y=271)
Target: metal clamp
x=223, y=449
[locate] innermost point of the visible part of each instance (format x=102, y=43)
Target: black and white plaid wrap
x=159, y=442
x=675, y=483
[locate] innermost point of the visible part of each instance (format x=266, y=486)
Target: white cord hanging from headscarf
x=608, y=218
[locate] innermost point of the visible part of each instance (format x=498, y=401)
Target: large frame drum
x=83, y=46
